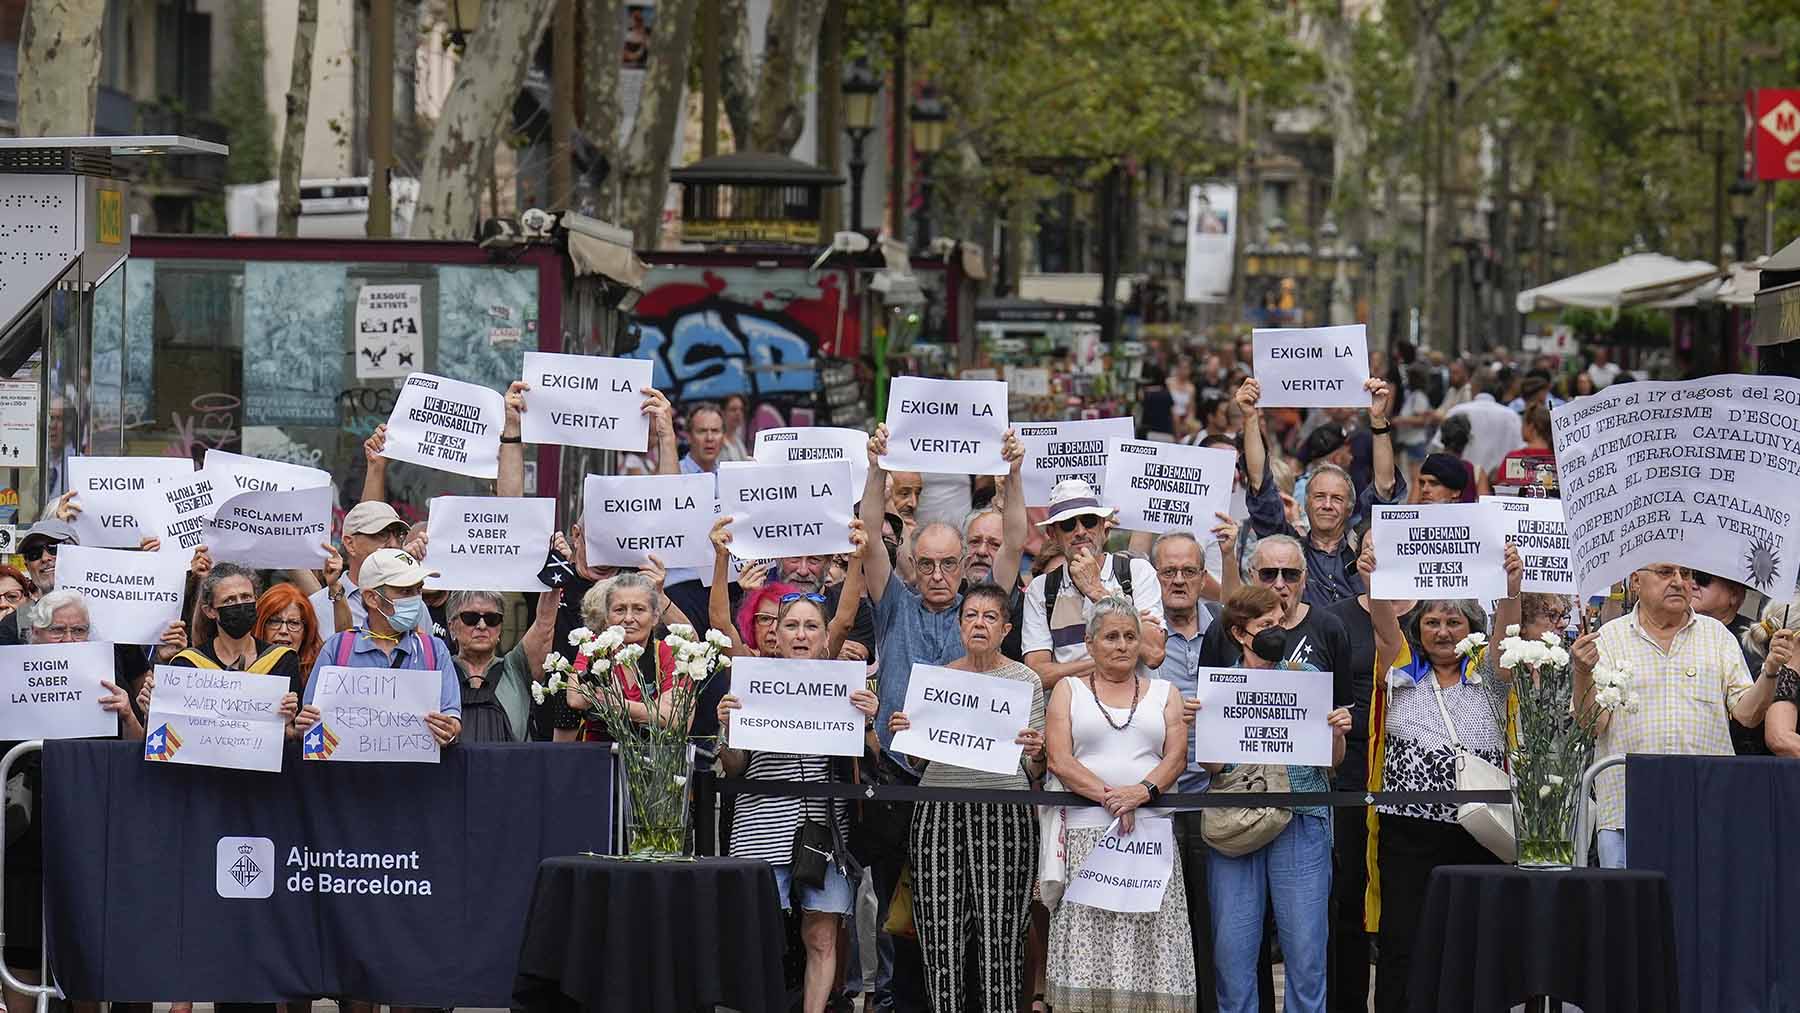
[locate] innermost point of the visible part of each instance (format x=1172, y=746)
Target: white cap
x=1072, y=497
x=392, y=568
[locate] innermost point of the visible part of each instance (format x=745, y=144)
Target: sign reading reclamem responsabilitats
x=951, y=427
x=797, y=706
x=488, y=543
x=284, y=530
x=1160, y=487
x=1058, y=450
x=117, y=496
x=586, y=401
x=626, y=519
x=1127, y=872
x=965, y=719
x=1312, y=367
x=1439, y=550
x=132, y=597
x=216, y=718
x=53, y=691
x=786, y=509
x=448, y=425
x=1535, y=525
x=1262, y=716
x=373, y=715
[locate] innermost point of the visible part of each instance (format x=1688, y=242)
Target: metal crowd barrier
x=1186, y=800
x=41, y=993
x=1584, y=809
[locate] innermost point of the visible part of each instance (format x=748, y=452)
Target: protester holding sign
x=496, y=690
x=953, y=427
x=986, y=904
x=61, y=617
x=1291, y=872
x=1118, y=738
x=763, y=602
x=1448, y=681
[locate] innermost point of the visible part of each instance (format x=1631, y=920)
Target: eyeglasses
x=295, y=625
x=944, y=566
x=1085, y=520
x=1289, y=574
x=12, y=597
x=766, y=618
x=1180, y=573
x=37, y=552
x=75, y=632
x=811, y=596
x=472, y=619
x=1673, y=572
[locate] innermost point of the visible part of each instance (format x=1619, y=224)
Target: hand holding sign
x=1312, y=367
x=946, y=426
x=1439, y=550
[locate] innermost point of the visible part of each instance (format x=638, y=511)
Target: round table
x=652, y=937
x=1493, y=936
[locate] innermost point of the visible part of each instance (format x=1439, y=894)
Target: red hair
x=275, y=601
x=746, y=617
x=25, y=582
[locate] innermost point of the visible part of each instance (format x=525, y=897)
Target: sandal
x=1040, y=1005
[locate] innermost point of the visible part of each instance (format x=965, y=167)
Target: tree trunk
x=737, y=79
x=602, y=41
x=1349, y=127
x=411, y=25
x=293, y=134
x=59, y=67
x=645, y=179
x=788, y=45
x=488, y=79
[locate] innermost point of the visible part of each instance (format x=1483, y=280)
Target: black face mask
x=237, y=620
x=1270, y=645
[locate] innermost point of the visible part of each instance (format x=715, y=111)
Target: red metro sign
x=1775, y=132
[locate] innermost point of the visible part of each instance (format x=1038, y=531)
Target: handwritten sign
x=117, y=496
x=1439, y=550
x=488, y=543
x=586, y=401
x=216, y=718
x=238, y=473
x=1161, y=487
x=373, y=715
x=626, y=518
x=1700, y=473
x=953, y=427
x=786, y=509
x=797, y=706
x=965, y=719
x=390, y=335
x=1127, y=872
x=53, y=691
x=1535, y=525
x=131, y=596
x=817, y=443
x=1058, y=450
x=1263, y=716
x=278, y=530
x=1312, y=367
x=448, y=425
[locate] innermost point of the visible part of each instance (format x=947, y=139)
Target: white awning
x=1638, y=278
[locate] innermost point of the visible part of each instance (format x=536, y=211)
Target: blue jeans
x=1611, y=846
x=1294, y=872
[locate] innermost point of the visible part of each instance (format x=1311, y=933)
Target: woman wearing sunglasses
x=496, y=689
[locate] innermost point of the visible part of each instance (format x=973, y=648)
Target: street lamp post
x=1740, y=193
x=928, y=116
x=860, y=88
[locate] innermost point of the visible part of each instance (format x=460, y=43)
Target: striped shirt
x=762, y=826
x=1685, y=696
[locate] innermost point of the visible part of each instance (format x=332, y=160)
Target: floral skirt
x=1113, y=962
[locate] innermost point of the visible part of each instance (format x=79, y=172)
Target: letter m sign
x=1775, y=132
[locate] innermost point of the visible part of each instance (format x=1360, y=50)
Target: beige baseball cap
x=371, y=518
x=392, y=568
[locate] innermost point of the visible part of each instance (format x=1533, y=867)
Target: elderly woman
x=632, y=601
x=764, y=826
x=1770, y=645
x=753, y=632
x=16, y=590
x=1433, y=684
x=1293, y=871
x=284, y=617
x=973, y=862
x=496, y=690
x=61, y=617
x=1118, y=738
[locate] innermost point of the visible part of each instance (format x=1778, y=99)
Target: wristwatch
x=512, y=439
x=1150, y=786
x=1375, y=430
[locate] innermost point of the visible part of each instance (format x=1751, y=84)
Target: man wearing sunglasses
x=39, y=547
x=1057, y=602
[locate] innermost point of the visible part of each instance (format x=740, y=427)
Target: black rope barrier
x=1183, y=800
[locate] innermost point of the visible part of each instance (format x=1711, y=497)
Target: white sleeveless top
x=1116, y=757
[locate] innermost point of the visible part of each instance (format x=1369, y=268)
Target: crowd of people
x=1109, y=629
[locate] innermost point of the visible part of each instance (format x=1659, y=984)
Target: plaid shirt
x=1685, y=696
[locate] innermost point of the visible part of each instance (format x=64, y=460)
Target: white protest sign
x=131, y=596
x=953, y=427
x=390, y=336
x=488, y=543
x=277, y=530
x=1127, y=872
x=1439, y=550
x=1263, y=715
x=1026, y=381
x=817, y=443
x=373, y=715
x=1160, y=487
x=118, y=499
x=53, y=691
x=965, y=719
x=448, y=425
x=1699, y=473
x=786, y=509
x=216, y=718
x=586, y=401
x=1535, y=524
x=182, y=507
x=1058, y=450
x=626, y=518
x=238, y=473
x=797, y=706
x=1312, y=367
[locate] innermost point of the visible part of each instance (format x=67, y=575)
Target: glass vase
x=656, y=823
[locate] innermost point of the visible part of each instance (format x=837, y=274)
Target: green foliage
x=241, y=102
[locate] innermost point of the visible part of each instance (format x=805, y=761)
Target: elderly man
x=1333, y=507
x=1313, y=636
x=1690, y=680
x=368, y=528
x=1059, y=601
x=61, y=617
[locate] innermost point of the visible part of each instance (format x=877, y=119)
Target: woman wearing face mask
x=1430, y=686
x=225, y=635
x=764, y=826
x=1293, y=871
x=973, y=862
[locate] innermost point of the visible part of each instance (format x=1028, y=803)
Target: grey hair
x=1268, y=541
x=975, y=515
x=222, y=572
x=597, y=603
x=37, y=616
x=1327, y=468
x=1169, y=538
x=1112, y=605
x=1776, y=615
x=460, y=600
x=1469, y=608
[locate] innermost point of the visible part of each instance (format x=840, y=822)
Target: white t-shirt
x=322, y=608
x=946, y=498
x=1603, y=374
x=1069, y=642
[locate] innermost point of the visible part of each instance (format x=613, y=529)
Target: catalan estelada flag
x=318, y=744
x=161, y=744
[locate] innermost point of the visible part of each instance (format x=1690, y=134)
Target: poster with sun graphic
x=1701, y=473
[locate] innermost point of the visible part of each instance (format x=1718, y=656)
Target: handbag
x=1053, y=855
x=813, y=853
x=900, y=907
x=1491, y=824
x=1237, y=831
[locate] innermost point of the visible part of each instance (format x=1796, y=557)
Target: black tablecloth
x=1492, y=936
x=1724, y=830
x=652, y=937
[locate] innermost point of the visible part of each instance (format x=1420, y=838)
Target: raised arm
x=1231, y=575
x=718, y=599
x=1389, y=640
x=511, y=480
x=375, y=476
x=850, y=595
x=1506, y=612
x=662, y=431
x=1015, y=527
x=542, y=632
x=1752, y=706
x=876, y=565
x=1256, y=455
x=1381, y=451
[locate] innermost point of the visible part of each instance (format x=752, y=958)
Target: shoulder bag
x=1490, y=824
x=1235, y=832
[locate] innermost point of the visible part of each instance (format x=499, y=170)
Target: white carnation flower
x=1550, y=639
x=537, y=692
x=1609, y=698
x=682, y=630
x=717, y=639
x=580, y=635
x=1512, y=630
x=1543, y=791
x=1555, y=779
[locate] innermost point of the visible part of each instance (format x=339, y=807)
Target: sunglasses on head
x=37, y=552
x=491, y=619
x=1085, y=520
x=811, y=596
x=1290, y=574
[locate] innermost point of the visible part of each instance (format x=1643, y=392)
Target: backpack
x=1121, y=566
x=345, y=642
